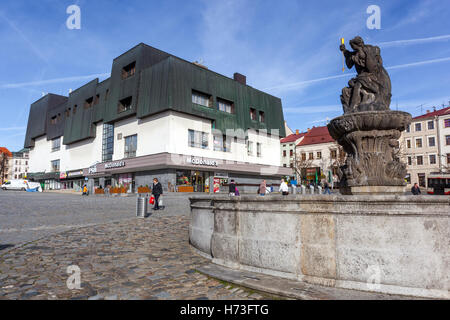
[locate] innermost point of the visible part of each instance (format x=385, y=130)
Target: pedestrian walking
x=232, y=188
x=85, y=191
x=262, y=188
x=415, y=190
x=284, y=189
x=157, y=191
x=326, y=188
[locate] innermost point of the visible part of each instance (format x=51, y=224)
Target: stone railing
x=389, y=244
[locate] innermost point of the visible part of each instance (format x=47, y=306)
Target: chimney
x=240, y=78
x=296, y=132
x=428, y=111
x=434, y=108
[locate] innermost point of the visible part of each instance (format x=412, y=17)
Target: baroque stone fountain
x=369, y=131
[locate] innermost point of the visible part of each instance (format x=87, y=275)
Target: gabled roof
x=292, y=137
x=315, y=136
x=433, y=114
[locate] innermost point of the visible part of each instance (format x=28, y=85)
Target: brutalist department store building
x=158, y=116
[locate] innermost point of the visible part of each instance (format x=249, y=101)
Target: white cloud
x=52, y=81
x=414, y=41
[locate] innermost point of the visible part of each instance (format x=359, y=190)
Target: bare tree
x=301, y=164
x=4, y=157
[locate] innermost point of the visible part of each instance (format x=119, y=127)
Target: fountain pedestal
x=370, y=139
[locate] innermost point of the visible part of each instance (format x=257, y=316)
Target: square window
x=130, y=146
x=419, y=160
x=431, y=141
x=418, y=126
x=430, y=125
x=225, y=105
x=129, y=70
x=202, y=99
x=124, y=105
x=253, y=114
x=447, y=123
x=261, y=116
x=419, y=143
x=432, y=159
x=88, y=103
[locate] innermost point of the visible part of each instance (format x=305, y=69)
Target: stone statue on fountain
x=369, y=131
x=371, y=89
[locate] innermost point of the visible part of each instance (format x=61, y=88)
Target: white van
x=15, y=185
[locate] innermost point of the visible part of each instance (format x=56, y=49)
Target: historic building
x=318, y=156
x=423, y=146
x=18, y=165
x=288, y=146
x=157, y=116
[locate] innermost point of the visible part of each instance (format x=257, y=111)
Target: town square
x=226, y=156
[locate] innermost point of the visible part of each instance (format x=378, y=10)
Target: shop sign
x=116, y=164
x=62, y=175
x=75, y=173
x=92, y=170
x=221, y=174
x=201, y=161
x=216, y=185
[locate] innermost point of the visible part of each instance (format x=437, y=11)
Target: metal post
x=319, y=190
x=311, y=189
x=303, y=189
x=141, y=207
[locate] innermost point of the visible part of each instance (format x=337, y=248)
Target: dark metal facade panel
x=79, y=125
x=56, y=130
x=153, y=89
x=144, y=57
x=37, y=118
x=99, y=109
x=185, y=77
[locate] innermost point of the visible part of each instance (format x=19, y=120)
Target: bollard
x=141, y=207
x=303, y=189
x=311, y=189
x=319, y=190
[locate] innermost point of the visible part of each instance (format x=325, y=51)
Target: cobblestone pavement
x=135, y=259
x=26, y=216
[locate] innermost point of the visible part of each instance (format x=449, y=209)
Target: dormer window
x=253, y=114
x=88, y=103
x=225, y=105
x=125, y=104
x=201, y=98
x=129, y=70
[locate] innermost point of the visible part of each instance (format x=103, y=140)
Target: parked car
x=15, y=185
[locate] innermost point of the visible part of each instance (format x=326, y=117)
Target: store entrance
x=193, y=181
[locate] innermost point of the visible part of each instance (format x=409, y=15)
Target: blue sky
x=287, y=48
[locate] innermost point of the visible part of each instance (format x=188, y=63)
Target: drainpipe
x=438, y=136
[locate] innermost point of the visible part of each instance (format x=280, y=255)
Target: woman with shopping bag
x=157, y=191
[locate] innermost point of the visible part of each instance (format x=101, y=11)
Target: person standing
x=415, y=190
x=294, y=185
x=232, y=188
x=262, y=188
x=157, y=191
x=284, y=189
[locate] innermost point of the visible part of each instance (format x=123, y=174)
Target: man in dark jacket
x=415, y=190
x=232, y=188
x=157, y=191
